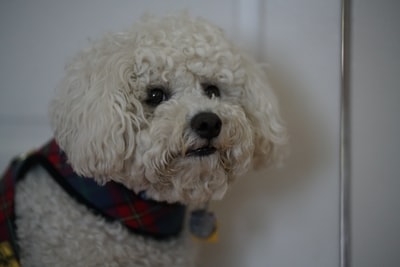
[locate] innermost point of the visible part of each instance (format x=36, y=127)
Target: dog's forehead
x=180, y=30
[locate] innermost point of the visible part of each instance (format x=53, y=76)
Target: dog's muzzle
x=207, y=125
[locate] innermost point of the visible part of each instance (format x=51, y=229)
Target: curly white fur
x=102, y=121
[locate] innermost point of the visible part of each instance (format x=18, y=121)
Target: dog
x=163, y=116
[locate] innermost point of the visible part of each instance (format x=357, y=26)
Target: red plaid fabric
x=113, y=201
x=7, y=184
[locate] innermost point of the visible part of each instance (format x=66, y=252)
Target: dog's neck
x=113, y=201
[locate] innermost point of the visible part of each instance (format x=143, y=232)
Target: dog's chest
x=54, y=230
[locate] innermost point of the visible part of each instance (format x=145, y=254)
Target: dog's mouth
x=201, y=152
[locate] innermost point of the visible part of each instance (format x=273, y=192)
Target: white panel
x=376, y=131
x=289, y=217
x=20, y=136
x=249, y=25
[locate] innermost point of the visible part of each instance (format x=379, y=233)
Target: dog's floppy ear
x=94, y=114
x=262, y=109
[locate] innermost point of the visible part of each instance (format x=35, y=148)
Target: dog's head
x=170, y=107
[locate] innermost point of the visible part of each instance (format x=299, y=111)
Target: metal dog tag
x=203, y=225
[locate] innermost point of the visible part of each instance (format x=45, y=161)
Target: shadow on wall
x=247, y=212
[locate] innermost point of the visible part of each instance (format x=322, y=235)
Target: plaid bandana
x=113, y=201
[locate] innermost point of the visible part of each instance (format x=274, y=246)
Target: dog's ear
x=95, y=115
x=262, y=109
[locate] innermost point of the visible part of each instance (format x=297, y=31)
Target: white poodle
x=162, y=116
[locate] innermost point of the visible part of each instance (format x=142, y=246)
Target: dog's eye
x=155, y=96
x=212, y=91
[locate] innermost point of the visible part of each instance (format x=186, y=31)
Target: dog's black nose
x=206, y=124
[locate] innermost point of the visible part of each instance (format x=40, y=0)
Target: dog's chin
x=195, y=177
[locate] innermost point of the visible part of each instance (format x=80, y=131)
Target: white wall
x=375, y=67
x=286, y=217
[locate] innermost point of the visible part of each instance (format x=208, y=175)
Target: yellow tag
x=7, y=257
x=213, y=238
